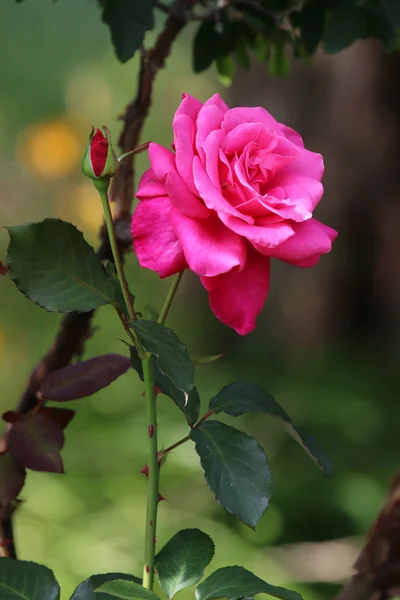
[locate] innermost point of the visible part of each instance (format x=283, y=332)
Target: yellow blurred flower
x=50, y=150
x=81, y=204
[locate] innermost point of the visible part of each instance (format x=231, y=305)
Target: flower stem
x=169, y=298
x=102, y=189
x=152, y=490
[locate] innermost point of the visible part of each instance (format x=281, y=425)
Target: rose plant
x=239, y=190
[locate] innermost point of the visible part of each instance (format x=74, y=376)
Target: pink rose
x=239, y=190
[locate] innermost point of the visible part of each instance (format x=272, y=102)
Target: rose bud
x=99, y=160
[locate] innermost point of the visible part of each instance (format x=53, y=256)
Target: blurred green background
x=326, y=343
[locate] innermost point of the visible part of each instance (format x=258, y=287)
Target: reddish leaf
x=12, y=417
x=62, y=416
x=84, y=378
x=12, y=478
x=35, y=443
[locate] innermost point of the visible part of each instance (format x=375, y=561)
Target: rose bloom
x=239, y=190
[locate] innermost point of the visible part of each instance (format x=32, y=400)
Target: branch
x=377, y=568
x=76, y=328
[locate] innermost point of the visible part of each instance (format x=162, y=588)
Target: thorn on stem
x=147, y=569
x=145, y=471
x=151, y=431
x=160, y=497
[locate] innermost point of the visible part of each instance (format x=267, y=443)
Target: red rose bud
x=100, y=160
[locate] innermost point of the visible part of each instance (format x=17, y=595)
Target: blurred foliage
x=91, y=519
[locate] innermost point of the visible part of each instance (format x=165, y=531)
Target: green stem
x=170, y=296
x=152, y=491
x=102, y=188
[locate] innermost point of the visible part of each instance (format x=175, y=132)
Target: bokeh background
x=326, y=343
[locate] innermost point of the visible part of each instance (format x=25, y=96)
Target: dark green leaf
x=182, y=561
x=344, y=26
x=237, y=582
x=312, y=23
x=226, y=70
x=278, y=62
x=12, y=479
x=236, y=469
x=213, y=40
x=87, y=589
x=21, y=580
x=128, y=21
x=127, y=590
x=52, y=264
x=242, y=397
x=84, y=378
x=171, y=355
x=381, y=25
x=35, y=443
x=190, y=409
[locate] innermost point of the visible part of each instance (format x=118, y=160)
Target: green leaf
x=382, y=26
x=52, y=265
x=312, y=23
x=242, y=397
x=226, y=70
x=237, y=582
x=182, y=561
x=128, y=21
x=190, y=409
x=171, y=355
x=88, y=589
x=127, y=590
x=212, y=40
x=278, y=63
x=21, y=580
x=344, y=26
x=236, y=469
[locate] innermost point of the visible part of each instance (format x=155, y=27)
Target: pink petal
x=237, y=297
x=266, y=233
x=255, y=114
x=209, y=247
x=189, y=106
x=311, y=239
x=209, y=119
x=149, y=186
x=183, y=142
x=183, y=199
x=217, y=101
x=213, y=198
x=212, y=148
x=155, y=242
x=291, y=135
x=237, y=139
x=162, y=161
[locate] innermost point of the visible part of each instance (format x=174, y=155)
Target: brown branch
x=377, y=568
x=76, y=328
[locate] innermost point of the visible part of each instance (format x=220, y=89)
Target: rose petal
x=184, y=142
x=266, y=233
x=183, y=199
x=149, y=186
x=189, y=106
x=209, y=119
x=209, y=247
x=213, y=199
x=155, y=242
x=237, y=139
x=162, y=161
x=291, y=135
x=255, y=114
x=237, y=297
x=312, y=238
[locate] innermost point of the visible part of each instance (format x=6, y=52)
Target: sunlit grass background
x=59, y=76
